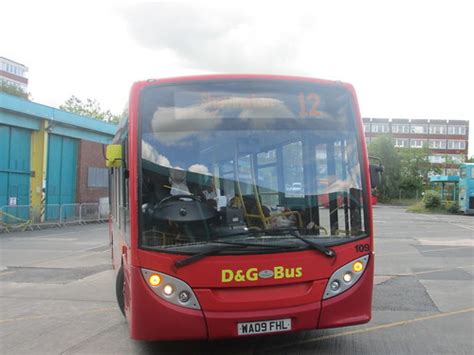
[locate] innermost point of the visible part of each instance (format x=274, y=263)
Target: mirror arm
x=380, y=167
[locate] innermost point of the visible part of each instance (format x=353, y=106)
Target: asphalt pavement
x=57, y=295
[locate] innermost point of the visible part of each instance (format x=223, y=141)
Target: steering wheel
x=183, y=209
x=181, y=197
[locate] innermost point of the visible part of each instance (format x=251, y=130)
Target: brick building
x=92, y=175
x=447, y=139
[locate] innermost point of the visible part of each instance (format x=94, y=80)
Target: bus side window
x=124, y=215
x=115, y=195
x=112, y=195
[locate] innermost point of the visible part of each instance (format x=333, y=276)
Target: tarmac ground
x=57, y=295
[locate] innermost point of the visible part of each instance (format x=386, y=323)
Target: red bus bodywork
x=224, y=305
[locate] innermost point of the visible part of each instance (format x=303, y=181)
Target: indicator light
x=347, y=277
x=168, y=290
x=154, y=279
x=184, y=296
x=335, y=285
x=357, y=266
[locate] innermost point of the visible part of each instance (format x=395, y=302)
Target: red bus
x=240, y=205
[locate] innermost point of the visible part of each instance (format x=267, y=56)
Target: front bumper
x=152, y=318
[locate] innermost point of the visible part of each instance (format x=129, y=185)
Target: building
x=49, y=158
x=447, y=139
x=13, y=73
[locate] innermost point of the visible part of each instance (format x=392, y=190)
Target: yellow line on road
x=99, y=310
x=378, y=327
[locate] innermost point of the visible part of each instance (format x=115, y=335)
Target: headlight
x=184, y=296
x=345, y=277
x=168, y=290
x=171, y=289
x=335, y=285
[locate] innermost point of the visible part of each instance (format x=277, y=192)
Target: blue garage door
x=60, y=175
x=15, y=170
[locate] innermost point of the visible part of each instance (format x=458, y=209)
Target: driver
x=201, y=189
x=178, y=182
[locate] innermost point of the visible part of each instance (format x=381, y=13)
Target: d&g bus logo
x=253, y=274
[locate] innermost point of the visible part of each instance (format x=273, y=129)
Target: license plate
x=263, y=327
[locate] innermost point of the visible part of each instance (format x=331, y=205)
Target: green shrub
x=417, y=208
x=452, y=207
x=432, y=199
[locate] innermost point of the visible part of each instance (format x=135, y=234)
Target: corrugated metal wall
x=15, y=145
x=61, y=174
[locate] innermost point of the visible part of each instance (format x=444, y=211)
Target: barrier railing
x=15, y=217
x=23, y=217
x=89, y=212
x=70, y=213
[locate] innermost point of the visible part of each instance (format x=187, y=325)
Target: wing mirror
x=113, y=156
x=375, y=172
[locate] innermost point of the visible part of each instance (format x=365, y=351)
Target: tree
x=12, y=89
x=90, y=108
x=415, y=168
x=383, y=148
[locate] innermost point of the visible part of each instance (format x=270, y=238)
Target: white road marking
x=455, y=242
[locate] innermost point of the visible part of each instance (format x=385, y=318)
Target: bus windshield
x=246, y=160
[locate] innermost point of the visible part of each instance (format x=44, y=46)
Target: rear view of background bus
x=240, y=207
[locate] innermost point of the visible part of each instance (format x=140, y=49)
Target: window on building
x=419, y=129
x=437, y=144
x=456, y=145
x=452, y=172
x=437, y=129
x=417, y=143
x=97, y=177
x=459, y=130
x=457, y=158
x=366, y=127
x=401, y=143
x=380, y=128
x=395, y=128
x=437, y=159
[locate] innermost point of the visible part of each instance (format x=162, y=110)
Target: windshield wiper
x=326, y=251
x=295, y=233
x=199, y=256
x=224, y=246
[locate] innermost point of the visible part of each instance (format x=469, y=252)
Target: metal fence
x=24, y=217
x=410, y=195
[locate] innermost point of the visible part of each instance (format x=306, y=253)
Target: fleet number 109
x=362, y=248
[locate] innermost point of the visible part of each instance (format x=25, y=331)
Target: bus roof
x=148, y=82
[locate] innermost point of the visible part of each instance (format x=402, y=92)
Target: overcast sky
x=406, y=59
